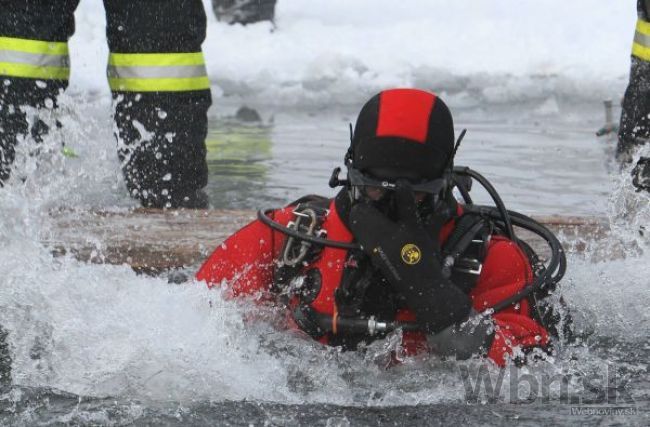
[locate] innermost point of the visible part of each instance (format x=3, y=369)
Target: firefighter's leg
x=635, y=118
x=161, y=91
x=34, y=65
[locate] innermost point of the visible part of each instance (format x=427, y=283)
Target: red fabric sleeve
x=515, y=330
x=243, y=263
x=506, y=270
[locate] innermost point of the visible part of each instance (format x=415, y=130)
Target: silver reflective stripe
x=38, y=60
x=172, y=72
x=642, y=39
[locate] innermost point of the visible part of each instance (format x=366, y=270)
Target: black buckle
x=471, y=263
x=469, y=266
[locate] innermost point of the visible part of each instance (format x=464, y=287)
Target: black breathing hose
x=555, y=245
x=552, y=274
x=353, y=325
x=464, y=170
x=558, y=257
x=500, y=213
x=263, y=216
x=556, y=267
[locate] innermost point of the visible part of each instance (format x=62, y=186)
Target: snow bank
x=340, y=50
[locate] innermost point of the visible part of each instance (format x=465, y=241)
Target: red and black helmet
x=406, y=130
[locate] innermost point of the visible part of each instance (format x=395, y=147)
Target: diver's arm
x=441, y=309
x=506, y=270
x=515, y=332
x=244, y=262
x=406, y=256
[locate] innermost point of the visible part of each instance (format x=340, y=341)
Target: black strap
x=465, y=249
x=463, y=224
x=467, y=228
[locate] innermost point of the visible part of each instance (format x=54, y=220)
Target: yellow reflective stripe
x=35, y=59
x=34, y=71
x=157, y=72
x=34, y=46
x=155, y=59
x=159, y=85
x=641, y=52
x=643, y=27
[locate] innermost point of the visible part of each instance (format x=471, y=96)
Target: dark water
x=621, y=399
x=44, y=406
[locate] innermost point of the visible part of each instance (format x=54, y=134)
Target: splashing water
x=138, y=348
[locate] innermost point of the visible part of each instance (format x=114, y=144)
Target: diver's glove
x=462, y=340
x=409, y=259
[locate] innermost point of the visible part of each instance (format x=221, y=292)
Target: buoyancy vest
x=334, y=283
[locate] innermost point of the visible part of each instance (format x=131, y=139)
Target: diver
x=397, y=249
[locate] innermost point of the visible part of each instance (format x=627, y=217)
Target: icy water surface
x=94, y=344
x=540, y=164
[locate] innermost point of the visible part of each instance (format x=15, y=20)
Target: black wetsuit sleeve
x=407, y=257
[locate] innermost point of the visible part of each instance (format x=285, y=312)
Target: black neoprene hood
x=406, y=130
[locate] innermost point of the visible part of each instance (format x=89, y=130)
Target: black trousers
x=635, y=117
x=157, y=77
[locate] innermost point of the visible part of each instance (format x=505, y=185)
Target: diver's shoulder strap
x=467, y=227
x=465, y=249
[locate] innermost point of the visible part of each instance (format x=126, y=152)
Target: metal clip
x=292, y=256
x=469, y=266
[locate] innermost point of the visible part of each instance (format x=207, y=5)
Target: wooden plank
x=148, y=240
x=152, y=240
